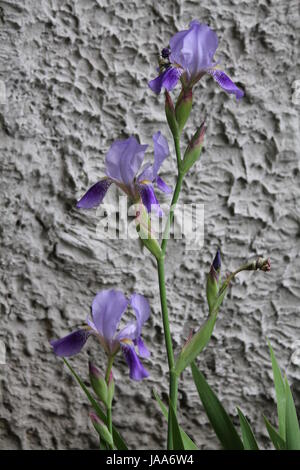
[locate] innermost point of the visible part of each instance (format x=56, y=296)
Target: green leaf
x=200, y=339
x=187, y=441
x=197, y=343
x=216, y=413
x=118, y=440
x=247, y=433
x=292, y=430
x=277, y=440
x=280, y=393
x=176, y=434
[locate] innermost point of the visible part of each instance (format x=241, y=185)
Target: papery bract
x=107, y=309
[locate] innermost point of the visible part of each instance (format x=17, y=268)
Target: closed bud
x=194, y=148
x=101, y=429
x=110, y=390
x=183, y=107
x=170, y=115
x=212, y=284
x=98, y=383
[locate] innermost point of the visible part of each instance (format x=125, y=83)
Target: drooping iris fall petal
x=94, y=196
x=71, y=344
x=136, y=368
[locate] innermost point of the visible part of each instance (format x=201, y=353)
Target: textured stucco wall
x=76, y=79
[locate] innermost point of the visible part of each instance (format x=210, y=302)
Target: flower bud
x=101, y=429
x=183, y=108
x=98, y=383
x=170, y=115
x=194, y=148
x=212, y=284
x=110, y=390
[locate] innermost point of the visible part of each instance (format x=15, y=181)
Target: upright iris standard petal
x=94, y=196
x=136, y=368
x=193, y=49
x=161, y=151
x=124, y=159
x=226, y=83
x=141, y=309
x=163, y=186
x=168, y=80
x=107, y=309
x=70, y=344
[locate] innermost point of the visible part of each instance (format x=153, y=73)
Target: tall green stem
x=108, y=408
x=173, y=380
x=168, y=340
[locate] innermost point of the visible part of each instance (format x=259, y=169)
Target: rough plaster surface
x=76, y=79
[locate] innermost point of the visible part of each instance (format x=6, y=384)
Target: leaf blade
x=176, y=434
x=216, y=413
x=248, y=437
x=292, y=430
x=280, y=393
x=187, y=441
x=275, y=437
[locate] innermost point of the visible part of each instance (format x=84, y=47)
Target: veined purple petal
x=107, y=309
x=163, y=186
x=226, y=83
x=70, y=344
x=94, y=196
x=194, y=48
x=141, y=309
x=146, y=174
x=161, y=151
x=124, y=159
x=143, y=350
x=128, y=332
x=148, y=198
x=136, y=368
x=168, y=79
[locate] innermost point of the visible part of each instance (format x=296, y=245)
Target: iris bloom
x=107, y=309
x=123, y=162
x=189, y=57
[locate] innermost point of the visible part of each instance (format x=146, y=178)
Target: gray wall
x=76, y=77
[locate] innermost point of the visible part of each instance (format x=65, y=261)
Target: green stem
x=171, y=213
x=168, y=341
x=108, y=409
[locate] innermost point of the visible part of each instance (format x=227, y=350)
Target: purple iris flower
x=190, y=57
x=123, y=162
x=107, y=309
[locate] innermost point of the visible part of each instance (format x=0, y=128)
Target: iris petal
x=141, y=309
x=124, y=159
x=149, y=199
x=226, y=83
x=193, y=49
x=136, y=368
x=94, y=196
x=161, y=151
x=168, y=79
x=143, y=350
x=107, y=308
x=70, y=344
x=163, y=186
